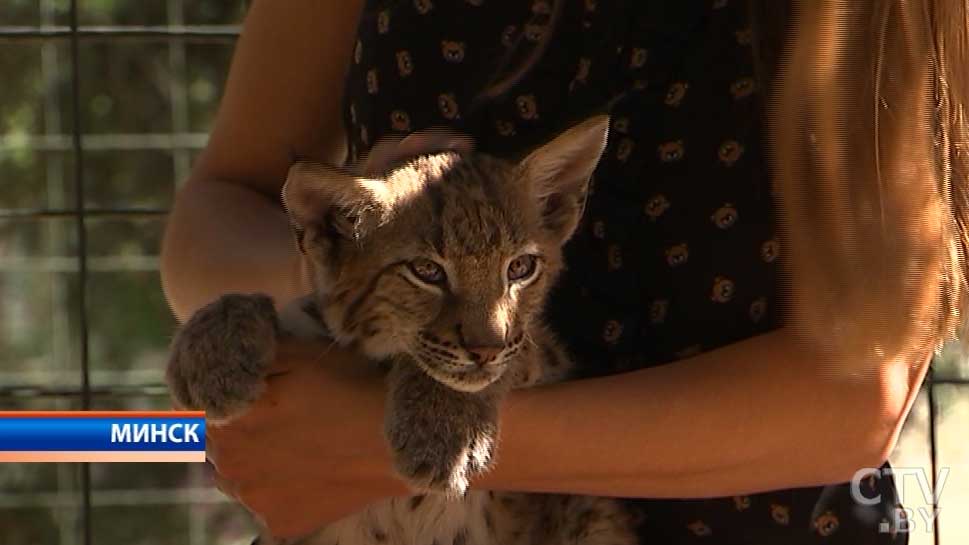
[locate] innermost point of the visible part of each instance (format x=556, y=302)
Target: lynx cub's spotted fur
x=440, y=268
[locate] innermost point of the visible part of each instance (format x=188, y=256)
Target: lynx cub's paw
x=220, y=356
x=440, y=438
x=441, y=460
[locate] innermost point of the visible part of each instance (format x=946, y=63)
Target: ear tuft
x=558, y=173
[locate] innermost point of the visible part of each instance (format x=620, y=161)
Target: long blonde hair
x=869, y=143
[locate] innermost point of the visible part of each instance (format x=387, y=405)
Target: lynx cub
x=440, y=268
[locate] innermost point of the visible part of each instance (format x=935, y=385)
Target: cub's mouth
x=465, y=370
x=465, y=377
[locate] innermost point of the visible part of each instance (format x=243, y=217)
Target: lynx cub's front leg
x=220, y=356
x=440, y=437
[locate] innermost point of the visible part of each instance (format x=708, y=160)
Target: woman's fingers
x=435, y=140
x=391, y=151
x=375, y=159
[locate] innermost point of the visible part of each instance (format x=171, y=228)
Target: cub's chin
x=469, y=379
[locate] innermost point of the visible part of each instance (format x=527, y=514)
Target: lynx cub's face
x=448, y=258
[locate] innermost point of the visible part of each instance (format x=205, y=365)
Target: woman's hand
x=310, y=451
x=390, y=151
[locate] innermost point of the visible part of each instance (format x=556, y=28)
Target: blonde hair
x=869, y=151
x=951, y=37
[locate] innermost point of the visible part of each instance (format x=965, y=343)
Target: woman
x=678, y=262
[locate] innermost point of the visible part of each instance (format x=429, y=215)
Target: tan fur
x=473, y=215
x=440, y=268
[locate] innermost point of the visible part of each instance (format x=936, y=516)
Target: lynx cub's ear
x=559, y=172
x=330, y=200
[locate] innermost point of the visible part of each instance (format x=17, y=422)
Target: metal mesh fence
x=105, y=104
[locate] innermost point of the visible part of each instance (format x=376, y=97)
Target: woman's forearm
x=224, y=237
x=757, y=415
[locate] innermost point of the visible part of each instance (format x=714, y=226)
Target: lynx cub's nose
x=484, y=354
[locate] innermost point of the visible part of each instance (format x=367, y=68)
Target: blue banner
x=100, y=433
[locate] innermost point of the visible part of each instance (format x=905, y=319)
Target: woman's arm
x=757, y=415
x=227, y=231
x=762, y=414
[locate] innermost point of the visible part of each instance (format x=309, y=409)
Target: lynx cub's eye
x=427, y=271
x=521, y=267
